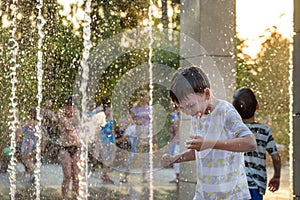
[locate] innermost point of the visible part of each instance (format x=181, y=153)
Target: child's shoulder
x=223, y=106
x=258, y=126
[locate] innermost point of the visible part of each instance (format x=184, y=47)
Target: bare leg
x=76, y=171
x=66, y=164
x=27, y=161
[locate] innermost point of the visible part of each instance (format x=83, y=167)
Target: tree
x=268, y=76
x=273, y=83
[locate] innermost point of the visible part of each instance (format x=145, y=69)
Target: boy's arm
x=185, y=156
x=242, y=144
x=275, y=180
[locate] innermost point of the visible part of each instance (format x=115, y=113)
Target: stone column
x=207, y=39
x=295, y=153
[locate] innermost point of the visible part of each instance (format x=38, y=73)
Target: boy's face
x=194, y=105
x=69, y=110
x=144, y=97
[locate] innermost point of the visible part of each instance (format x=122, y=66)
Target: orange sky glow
x=255, y=16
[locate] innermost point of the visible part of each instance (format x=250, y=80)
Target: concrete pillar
x=296, y=103
x=207, y=39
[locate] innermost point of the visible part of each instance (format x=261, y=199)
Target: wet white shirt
x=221, y=174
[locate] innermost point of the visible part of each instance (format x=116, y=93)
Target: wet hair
x=187, y=81
x=105, y=101
x=245, y=102
x=69, y=101
x=32, y=113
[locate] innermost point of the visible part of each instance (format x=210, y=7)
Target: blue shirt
x=106, y=133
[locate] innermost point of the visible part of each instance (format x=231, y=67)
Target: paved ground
x=51, y=178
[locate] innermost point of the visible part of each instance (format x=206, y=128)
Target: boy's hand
x=196, y=143
x=274, y=184
x=167, y=160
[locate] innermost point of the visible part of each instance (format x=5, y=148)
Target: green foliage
x=268, y=76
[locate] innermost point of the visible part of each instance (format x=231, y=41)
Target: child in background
x=246, y=104
x=69, y=154
x=219, y=137
x=122, y=141
x=28, y=147
x=139, y=132
x=131, y=135
x=174, y=141
x=107, y=141
x=49, y=120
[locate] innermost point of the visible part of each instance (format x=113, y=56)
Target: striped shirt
x=255, y=161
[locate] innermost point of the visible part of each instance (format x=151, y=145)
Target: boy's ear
x=257, y=106
x=207, y=93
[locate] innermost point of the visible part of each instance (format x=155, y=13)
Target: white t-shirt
x=221, y=174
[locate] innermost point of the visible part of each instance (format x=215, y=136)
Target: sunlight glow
x=254, y=17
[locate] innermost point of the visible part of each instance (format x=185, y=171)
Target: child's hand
x=274, y=184
x=197, y=143
x=167, y=160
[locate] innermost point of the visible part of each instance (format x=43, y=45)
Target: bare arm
x=242, y=144
x=185, y=156
x=275, y=180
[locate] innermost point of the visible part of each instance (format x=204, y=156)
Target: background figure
x=122, y=141
x=52, y=140
x=246, y=104
x=49, y=120
x=131, y=135
x=107, y=142
x=28, y=147
x=96, y=120
x=218, y=136
x=70, y=150
x=139, y=135
x=5, y=154
x=174, y=140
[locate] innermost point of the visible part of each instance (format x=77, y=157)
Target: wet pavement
x=51, y=178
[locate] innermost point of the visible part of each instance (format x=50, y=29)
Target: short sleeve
x=235, y=125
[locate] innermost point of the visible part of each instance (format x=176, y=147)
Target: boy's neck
x=211, y=106
x=250, y=120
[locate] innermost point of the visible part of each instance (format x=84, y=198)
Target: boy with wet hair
x=246, y=104
x=218, y=138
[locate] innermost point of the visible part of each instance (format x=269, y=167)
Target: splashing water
x=41, y=22
x=151, y=100
x=13, y=124
x=83, y=165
